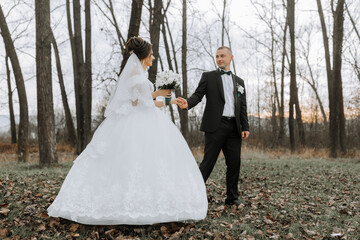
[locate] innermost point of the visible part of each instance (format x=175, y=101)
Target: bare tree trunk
x=223, y=24
x=337, y=116
x=24, y=115
x=182, y=113
x=282, y=86
x=82, y=73
x=11, y=106
x=258, y=110
x=294, y=99
x=172, y=45
x=185, y=124
x=226, y=31
x=291, y=18
x=46, y=118
x=338, y=34
x=167, y=48
x=79, y=64
x=161, y=63
x=134, y=26
x=135, y=18
x=72, y=42
x=299, y=118
x=342, y=119
x=87, y=81
x=273, y=64
x=75, y=72
x=333, y=126
x=151, y=12
x=276, y=101
x=273, y=121
x=157, y=19
x=229, y=40
x=293, y=85
x=70, y=128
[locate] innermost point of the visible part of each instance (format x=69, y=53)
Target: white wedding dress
x=137, y=169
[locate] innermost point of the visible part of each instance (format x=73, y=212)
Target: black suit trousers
x=227, y=139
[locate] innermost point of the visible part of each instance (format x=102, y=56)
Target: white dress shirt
x=229, y=107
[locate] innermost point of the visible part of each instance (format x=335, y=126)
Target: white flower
x=240, y=89
x=167, y=80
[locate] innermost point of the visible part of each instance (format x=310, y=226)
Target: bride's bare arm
x=161, y=92
x=160, y=104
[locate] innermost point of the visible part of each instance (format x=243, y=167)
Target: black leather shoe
x=234, y=202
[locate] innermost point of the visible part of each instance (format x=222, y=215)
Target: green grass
x=283, y=198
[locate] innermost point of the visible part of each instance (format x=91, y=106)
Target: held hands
x=178, y=101
x=182, y=103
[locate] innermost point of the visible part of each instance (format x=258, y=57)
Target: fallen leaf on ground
x=310, y=233
x=41, y=227
x=73, y=227
x=4, y=211
x=75, y=235
x=3, y=232
x=54, y=222
x=44, y=215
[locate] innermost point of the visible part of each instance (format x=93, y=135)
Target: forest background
x=295, y=57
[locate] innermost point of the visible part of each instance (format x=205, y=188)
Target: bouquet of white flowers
x=167, y=80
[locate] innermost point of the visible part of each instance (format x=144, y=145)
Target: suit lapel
x=220, y=84
x=235, y=89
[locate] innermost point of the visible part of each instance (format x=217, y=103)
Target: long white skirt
x=138, y=169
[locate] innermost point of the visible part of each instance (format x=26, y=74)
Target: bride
x=137, y=169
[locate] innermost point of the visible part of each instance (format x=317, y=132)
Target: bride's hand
x=163, y=93
x=174, y=101
x=181, y=102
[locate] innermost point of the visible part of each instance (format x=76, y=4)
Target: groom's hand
x=245, y=134
x=182, y=103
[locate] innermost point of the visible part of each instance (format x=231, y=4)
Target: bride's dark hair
x=139, y=46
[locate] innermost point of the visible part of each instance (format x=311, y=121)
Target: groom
x=224, y=122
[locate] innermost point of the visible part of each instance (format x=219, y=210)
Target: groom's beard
x=224, y=67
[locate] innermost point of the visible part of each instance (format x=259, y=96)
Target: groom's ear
x=232, y=57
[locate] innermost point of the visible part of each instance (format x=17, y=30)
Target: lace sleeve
x=140, y=95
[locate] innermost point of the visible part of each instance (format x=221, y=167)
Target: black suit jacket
x=211, y=85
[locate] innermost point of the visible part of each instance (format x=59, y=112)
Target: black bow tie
x=224, y=72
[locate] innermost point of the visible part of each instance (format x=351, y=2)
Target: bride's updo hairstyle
x=139, y=46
